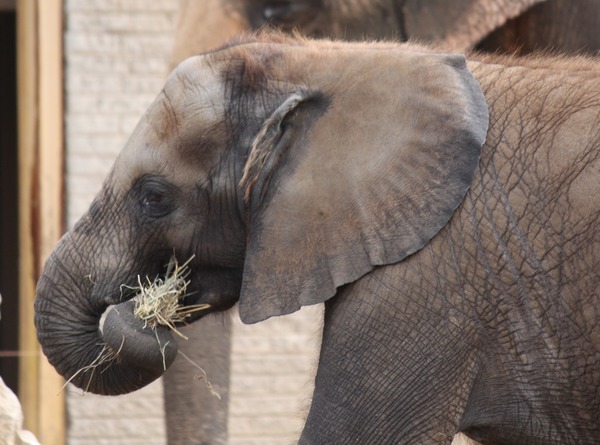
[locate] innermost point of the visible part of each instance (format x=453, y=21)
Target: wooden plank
x=52, y=424
x=41, y=151
x=27, y=75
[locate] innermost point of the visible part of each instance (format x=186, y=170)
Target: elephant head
x=285, y=169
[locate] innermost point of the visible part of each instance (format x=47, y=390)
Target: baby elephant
x=447, y=212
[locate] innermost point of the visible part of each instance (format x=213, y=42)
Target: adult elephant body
x=510, y=26
x=555, y=26
x=461, y=285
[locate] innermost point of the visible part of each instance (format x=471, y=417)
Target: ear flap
x=458, y=25
x=267, y=149
x=360, y=176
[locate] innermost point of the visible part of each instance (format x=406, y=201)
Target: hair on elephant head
x=276, y=177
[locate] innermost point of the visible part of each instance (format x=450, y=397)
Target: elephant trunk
x=116, y=358
x=130, y=337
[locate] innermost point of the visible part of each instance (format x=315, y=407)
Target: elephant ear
x=459, y=25
x=353, y=176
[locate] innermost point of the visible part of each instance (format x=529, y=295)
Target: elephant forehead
x=193, y=95
x=174, y=137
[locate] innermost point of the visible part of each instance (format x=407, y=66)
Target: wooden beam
x=27, y=127
x=51, y=168
x=40, y=91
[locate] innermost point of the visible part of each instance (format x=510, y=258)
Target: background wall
x=272, y=373
x=116, y=54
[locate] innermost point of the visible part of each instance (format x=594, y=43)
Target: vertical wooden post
x=27, y=138
x=41, y=141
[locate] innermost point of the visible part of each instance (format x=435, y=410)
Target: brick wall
x=116, y=53
x=272, y=368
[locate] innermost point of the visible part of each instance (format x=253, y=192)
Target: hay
x=157, y=304
x=157, y=301
x=201, y=375
x=106, y=357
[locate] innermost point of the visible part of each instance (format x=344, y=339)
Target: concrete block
x=147, y=44
x=80, y=82
x=243, y=386
x=264, y=426
x=121, y=22
x=261, y=405
x=87, y=43
x=264, y=364
x=93, y=124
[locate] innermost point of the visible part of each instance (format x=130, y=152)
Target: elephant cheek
x=150, y=348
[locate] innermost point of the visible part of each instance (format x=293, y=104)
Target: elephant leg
x=391, y=371
x=194, y=415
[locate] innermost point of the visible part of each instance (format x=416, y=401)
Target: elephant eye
x=286, y=14
x=155, y=198
x=279, y=13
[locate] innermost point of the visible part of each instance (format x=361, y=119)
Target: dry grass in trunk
x=106, y=357
x=157, y=302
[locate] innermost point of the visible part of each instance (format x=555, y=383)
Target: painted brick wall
x=116, y=54
x=273, y=365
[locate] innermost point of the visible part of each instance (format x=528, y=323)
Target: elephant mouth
x=98, y=342
x=127, y=337
x=140, y=327
x=168, y=299
x=169, y=293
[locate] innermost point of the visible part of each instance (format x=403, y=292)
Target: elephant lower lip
x=134, y=341
x=102, y=320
